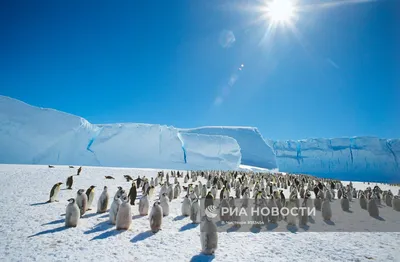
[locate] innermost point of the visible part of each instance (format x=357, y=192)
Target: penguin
x=109, y=177
x=71, y=166
x=372, y=208
x=119, y=192
x=170, y=192
x=90, y=196
x=302, y=192
x=186, y=205
x=224, y=217
x=78, y=172
x=124, y=214
x=339, y=193
x=196, y=190
x=152, y=182
x=291, y=218
x=396, y=203
x=156, y=216
x=345, y=203
x=318, y=200
x=81, y=201
x=203, y=191
x=150, y=191
x=54, y=193
x=209, y=184
x=388, y=200
x=138, y=182
x=363, y=201
x=72, y=214
x=328, y=195
x=209, y=200
x=303, y=216
x=195, y=212
x=114, y=209
x=70, y=181
x=326, y=210
x=208, y=236
x=164, y=203
x=50, y=166
x=102, y=204
x=282, y=196
x=177, y=190
x=128, y=178
x=144, y=205
x=272, y=205
x=316, y=191
x=214, y=191
x=132, y=194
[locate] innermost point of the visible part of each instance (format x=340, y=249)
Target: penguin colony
x=305, y=190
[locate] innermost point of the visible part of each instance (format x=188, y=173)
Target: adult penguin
x=316, y=191
x=90, y=196
x=70, y=181
x=102, y=204
x=156, y=216
x=72, y=214
x=55, y=190
x=138, y=182
x=132, y=194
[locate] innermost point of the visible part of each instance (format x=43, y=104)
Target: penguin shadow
x=104, y=216
x=348, y=211
x=90, y=215
x=292, y=228
x=188, y=227
x=272, y=226
x=220, y=224
x=107, y=234
x=59, y=221
x=137, y=216
x=177, y=218
x=49, y=231
x=103, y=226
x=66, y=188
x=142, y=236
x=39, y=204
x=255, y=229
x=233, y=229
x=305, y=227
x=311, y=220
x=202, y=258
x=329, y=222
x=379, y=218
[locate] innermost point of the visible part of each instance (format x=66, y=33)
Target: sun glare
x=280, y=11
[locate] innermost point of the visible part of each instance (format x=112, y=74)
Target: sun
x=280, y=11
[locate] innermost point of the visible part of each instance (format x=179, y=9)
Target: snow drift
x=32, y=135
x=367, y=158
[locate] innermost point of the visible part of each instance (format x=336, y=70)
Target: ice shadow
x=329, y=222
x=188, y=227
x=107, y=234
x=90, y=215
x=379, y=218
x=39, y=204
x=49, y=231
x=177, y=218
x=348, y=211
x=103, y=226
x=271, y=226
x=202, y=258
x=137, y=216
x=142, y=236
x=59, y=221
x=292, y=228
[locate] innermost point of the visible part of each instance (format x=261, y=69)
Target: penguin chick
x=54, y=193
x=102, y=204
x=156, y=216
x=208, y=236
x=124, y=215
x=70, y=181
x=72, y=214
x=81, y=201
x=164, y=203
x=186, y=205
x=144, y=205
x=114, y=210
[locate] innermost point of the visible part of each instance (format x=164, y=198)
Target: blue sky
x=332, y=73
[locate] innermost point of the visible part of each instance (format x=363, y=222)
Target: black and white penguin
x=339, y=193
x=90, y=196
x=164, y=203
x=195, y=211
x=214, y=191
x=81, y=201
x=316, y=191
x=119, y=192
x=128, y=178
x=70, y=181
x=102, y=204
x=345, y=203
x=124, y=214
x=209, y=200
x=72, y=214
x=156, y=217
x=138, y=182
x=132, y=194
x=55, y=190
x=318, y=200
x=78, y=172
x=144, y=205
x=208, y=236
x=114, y=209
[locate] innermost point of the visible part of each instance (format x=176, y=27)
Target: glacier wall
x=356, y=158
x=255, y=151
x=32, y=135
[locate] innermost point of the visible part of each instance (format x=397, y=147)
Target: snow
x=32, y=135
x=34, y=231
x=255, y=151
x=342, y=158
